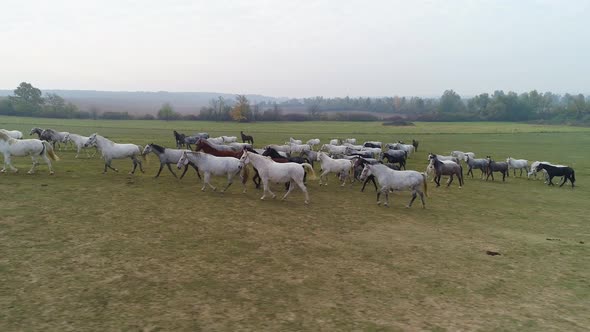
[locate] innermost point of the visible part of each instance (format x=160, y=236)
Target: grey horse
x=480, y=164
x=167, y=157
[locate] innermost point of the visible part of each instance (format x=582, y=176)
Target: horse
x=415, y=144
x=194, y=138
x=334, y=149
x=446, y=168
x=49, y=135
x=111, y=150
x=215, y=140
x=27, y=147
x=299, y=148
x=338, y=166
x=212, y=165
x=396, y=180
x=372, y=144
x=179, y=138
x=79, y=142
x=396, y=156
x=359, y=164
x=335, y=141
x=533, y=169
x=294, y=141
x=350, y=140
x=493, y=166
x=461, y=155
x=567, y=173
x=167, y=157
x=14, y=133
x=274, y=154
x=517, y=164
x=408, y=148
x=277, y=172
x=229, y=139
x=247, y=138
x=313, y=142
x=480, y=164
x=207, y=147
x=441, y=158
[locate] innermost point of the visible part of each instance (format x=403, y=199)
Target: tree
x=451, y=102
x=27, y=99
x=314, y=111
x=167, y=113
x=241, y=111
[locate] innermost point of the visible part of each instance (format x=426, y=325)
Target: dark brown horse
x=247, y=138
x=415, y=144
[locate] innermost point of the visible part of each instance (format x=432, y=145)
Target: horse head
x=91, y=141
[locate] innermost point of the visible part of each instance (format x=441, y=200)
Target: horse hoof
x=130, y=173
x=379, y=203
x=262, y=198
x=116, y=170
x=51, y=173
x=306, y=202
x=386, y=205
x=408, y=206
x=29, y=172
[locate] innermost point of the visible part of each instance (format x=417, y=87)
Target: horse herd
x=286, y=163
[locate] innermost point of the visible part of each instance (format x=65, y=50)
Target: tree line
x=498, y=106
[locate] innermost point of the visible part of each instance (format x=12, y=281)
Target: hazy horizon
x=321, y=48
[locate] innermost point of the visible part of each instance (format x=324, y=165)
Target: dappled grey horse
x=167, y=157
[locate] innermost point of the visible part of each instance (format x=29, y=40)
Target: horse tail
x=573, y=179
x=244, y=175
x=143, y=156
x=461, y=170
x=49, y=148
x=308, y=166
x=424, y=184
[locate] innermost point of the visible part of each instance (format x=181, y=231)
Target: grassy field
x=82, y=251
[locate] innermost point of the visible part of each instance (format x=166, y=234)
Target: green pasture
x=83, y=251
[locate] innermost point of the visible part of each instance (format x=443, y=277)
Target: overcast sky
x=297, y=48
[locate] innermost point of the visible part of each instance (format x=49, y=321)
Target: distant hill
x=141, y=102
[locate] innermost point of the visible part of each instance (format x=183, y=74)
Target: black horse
x=179, y=138
x=396, y=156
x=247, y=138
x=567, y=173
x=415, y=144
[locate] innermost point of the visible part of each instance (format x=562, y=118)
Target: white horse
x=14, y=134
x=338, y=166
x=441, y=158
x=26, y=147
x=334, y=149
x=390, y=179
x=111, y=150
x=215, y=140
x=278, y=172
x=335, y=141
x=313, y=142
x=229, y=139
x=213, y=165
x=461, y=155
x=79, y=142
x=294, y=141
x=299, y=148
x=517, y=164
x=350, y=141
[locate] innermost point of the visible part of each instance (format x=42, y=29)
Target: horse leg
x=450, y=181
x=437, y=180
x=264, y=188
x=379, y=196
x=206, y=179
x=422, y=198
x=160, y=170
x=8, y=162
x=48, y=164
x=108, y=164
x=230, y=178
x=170, y=169
x=291, y=186
x=323, y=175
x=504, y=175
x=184, y=172
x=565, y=177
x=386, y=198
x=304, y=189
x=134, y=165
x=32, y=170
x=413, y=198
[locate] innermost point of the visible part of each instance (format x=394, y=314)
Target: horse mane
x=158, y=148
